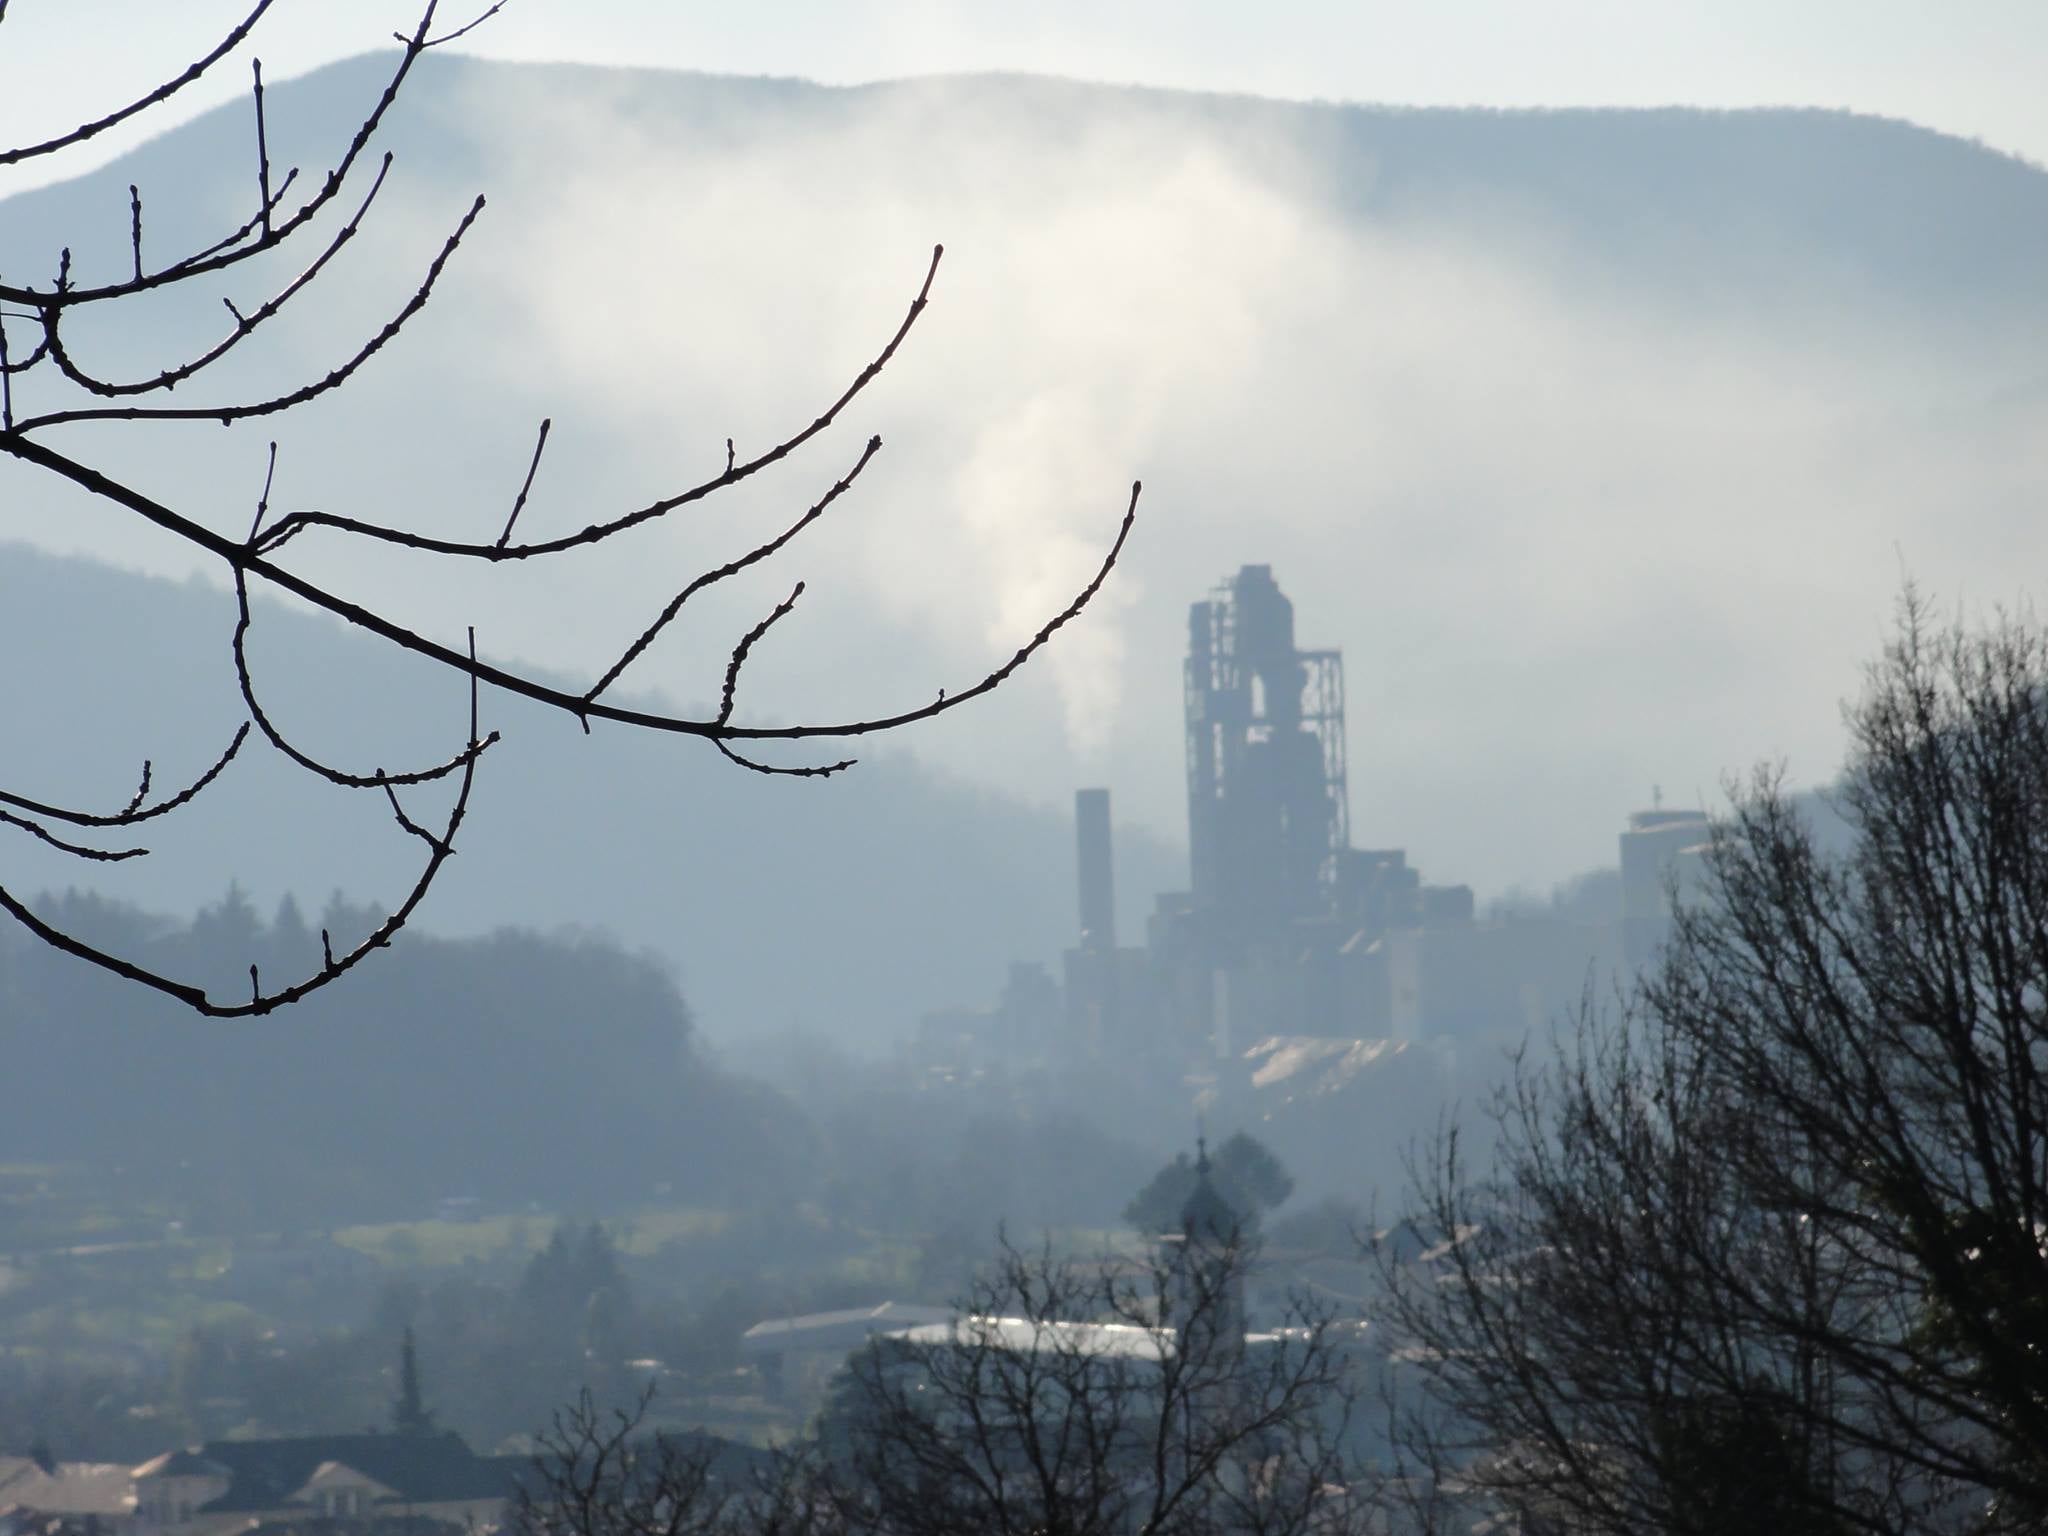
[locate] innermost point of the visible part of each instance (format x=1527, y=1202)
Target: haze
x=1602, y=499
x=1544, y=414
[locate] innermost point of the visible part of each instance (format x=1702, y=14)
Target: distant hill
x=1717, y=203
x=1598, y=439
x=847, y=906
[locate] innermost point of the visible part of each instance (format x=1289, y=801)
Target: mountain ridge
x=1539, y=415
x=752, y=872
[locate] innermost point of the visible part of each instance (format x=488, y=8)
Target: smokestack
x=1098, y=887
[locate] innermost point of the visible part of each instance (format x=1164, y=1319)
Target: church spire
x=409, y=1416
x=1207, y=1216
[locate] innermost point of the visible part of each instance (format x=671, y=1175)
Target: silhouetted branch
x=540, y=444
x=18, y=365
x=262, y=157
x=461, y=31
x=441, y=849
x=337, y=776
x=140, y=104
x=988, y=683
x=224, y=254
x=739, y=652
x=263, y=501
x=262, y=215
x=244, y=323
x=291, y=526
x=731, y=568
x=134, y=812
x=254, y=557
x=225, y=414
x=99, y=854
x=239, y=557
x=141, y=790
x=815, y=771
x=135, y=224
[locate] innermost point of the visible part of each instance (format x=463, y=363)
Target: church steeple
x=409, y=1415
x=1204, y=1264
x=1207, y=1217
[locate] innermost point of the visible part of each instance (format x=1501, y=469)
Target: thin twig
x=263, y=501
x=162, y=93
x=297, y=522
x=519, y=501
x=196, y=998
x=135, y=226
x=247, y=227
x=262, y=158
x=36, y=355
x=740, y=652
x=244, y=324
x=214, y=258
x=134, y=813
x=239, y=558
x=733, y=568
x=816, y=771
x=406, y=821
x=462, y=31
x=239, y=644
x=98, y=855
x=141, y=792
x=226, y=414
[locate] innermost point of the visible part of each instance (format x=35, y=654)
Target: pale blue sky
x=1971, y=67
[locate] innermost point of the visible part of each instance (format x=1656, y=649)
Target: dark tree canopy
x=1243, y=1171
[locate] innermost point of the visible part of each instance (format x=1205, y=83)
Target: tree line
x=518, y=1068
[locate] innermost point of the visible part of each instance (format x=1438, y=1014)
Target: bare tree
x=1079, y=1398
x=605, y=1474
x=1580, y=1346
x=47, y=388
x=1065, y=1398
x=1772, y=1251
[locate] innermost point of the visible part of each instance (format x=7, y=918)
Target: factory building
x=1286, y=931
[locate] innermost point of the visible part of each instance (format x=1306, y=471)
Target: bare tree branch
x=135, y=810
x=244, y=323
x=226, y=414
x=52, y=367
x=441, y=849
x=594, y=533
x=143, y=103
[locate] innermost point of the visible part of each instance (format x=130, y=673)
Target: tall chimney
x=1098, y=886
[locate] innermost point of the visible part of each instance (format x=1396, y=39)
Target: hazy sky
x=1698, y=524
x=1970, y=67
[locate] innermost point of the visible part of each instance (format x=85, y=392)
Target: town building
x=365, y=1482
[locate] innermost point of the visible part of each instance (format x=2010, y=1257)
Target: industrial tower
x=1268, y=817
